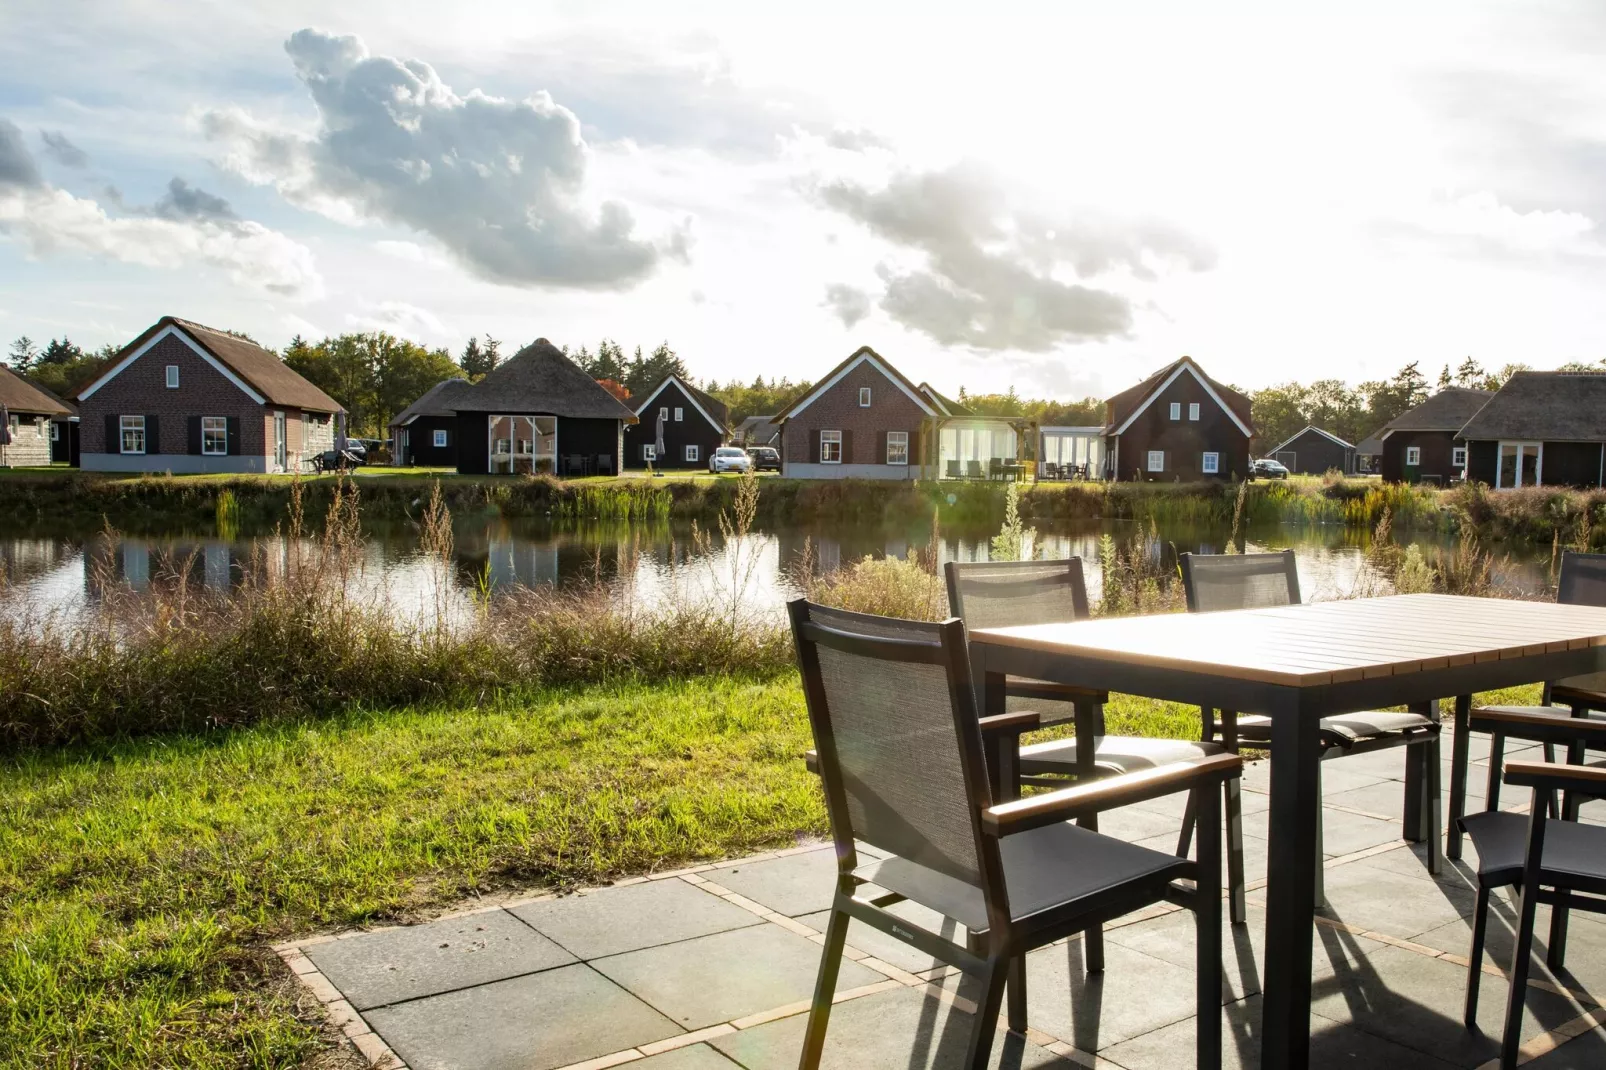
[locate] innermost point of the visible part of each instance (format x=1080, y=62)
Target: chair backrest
x=900, y=749
x=1239, y=581
x=1583, y=579
x=996, y=594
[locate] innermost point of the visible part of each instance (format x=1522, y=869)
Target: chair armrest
x=1593, y=700
x=1022, y=815
x=1547, y=776
x=1012, y=723
x=1042, y=689
x=1556, y=727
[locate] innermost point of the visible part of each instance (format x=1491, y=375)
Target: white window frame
x=649, y=451
x=830, y=438
x=1176, y=410
x=1522, y=446
x=172, y=377
x=1458, y=457
x=693, y=453
x=1210, y=463
x=1156, y=461
x=1193, y=410
x=439, y=438
x=900, y=440
x=663, y=412
x=218, y=423
x=864, y=397
x=1413, y=456
x=680, y=414
x=55, y=430
x=127, y=425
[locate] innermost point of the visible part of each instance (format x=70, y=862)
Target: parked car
x=1266, y=468
x=729, y=459
x=765, y=458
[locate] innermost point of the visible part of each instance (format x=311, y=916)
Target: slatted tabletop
x=1324, y=642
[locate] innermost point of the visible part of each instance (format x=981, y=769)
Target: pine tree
x=473, y=359
x=24, y=353
x=1470, y=374
x=1444, y=378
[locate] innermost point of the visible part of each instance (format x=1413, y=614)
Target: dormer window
x=864, y=397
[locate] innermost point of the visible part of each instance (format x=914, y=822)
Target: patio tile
x=716, y=978
x=536, y=1022
x=1417, y=1001
x=1389, y=902
x=1342, y=833
x=1332, y=1046
x=795, y=885
x=609, y=921
x=902, y=1028
x=889, y=948
x=1131, y=824
x=1586, y=947
x=1587, y=1052
x=1255, y=848
x=691, y=1057
x=1339, y=775
x=421, y=960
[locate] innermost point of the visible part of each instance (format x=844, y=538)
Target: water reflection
x=652, y=564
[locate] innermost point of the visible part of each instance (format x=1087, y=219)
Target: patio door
x=281, y=457
x=1521, y=465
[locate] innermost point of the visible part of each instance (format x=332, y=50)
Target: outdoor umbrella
x=340, y=432
x=658, y=450
x=5, y=427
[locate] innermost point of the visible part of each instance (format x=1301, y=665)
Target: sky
x=1055, y=197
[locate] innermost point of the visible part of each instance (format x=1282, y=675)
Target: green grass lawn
x=141, y=882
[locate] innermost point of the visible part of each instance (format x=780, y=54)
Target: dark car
x=1266, y=468
x=765, y=458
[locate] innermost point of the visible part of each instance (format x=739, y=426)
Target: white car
x=729, y=459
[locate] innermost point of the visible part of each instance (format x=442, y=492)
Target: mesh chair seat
x=1118, y=754
x=1588, y=690
x=1345, y=730
x=1573, y=851
x=1045, y=869
x=1559, y=712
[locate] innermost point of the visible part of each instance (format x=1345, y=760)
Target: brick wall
x=838, y=410
x=141, y=390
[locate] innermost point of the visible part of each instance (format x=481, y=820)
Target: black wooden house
x=679, y=426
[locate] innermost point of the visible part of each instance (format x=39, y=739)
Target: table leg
x=1087, y=728
x=1459, y=757
x=1290, y=887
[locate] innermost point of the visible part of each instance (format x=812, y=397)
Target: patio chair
x=973, y=470
x=1048, y=470
x=999, y=594
x=953, y=469
x=604, y=464
x=995, y=468
x=900, y=754
x=1253, y=581
x=1581, y=582
x=1559, y=862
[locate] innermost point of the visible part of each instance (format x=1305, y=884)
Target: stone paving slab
x=610, y=921
x=1391, y=903
x=796, y=885
x=692, y=1057
x=535, y=1022
x=728, y=975
x=873, y=941
x=421, y=960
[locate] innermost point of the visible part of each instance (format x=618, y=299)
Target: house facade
x=186, y=398
x=1314, y=452
x=1540, y=429
x=425, y=432
x=1178, y=425
x=678, y=426
x=538, y=412
x=863, y=420
x=1424, y=444
x=31, y=417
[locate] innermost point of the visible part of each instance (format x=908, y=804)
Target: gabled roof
x=1544, y=406
x=436, y=401
x=1448, y=410
x=257, y=371
x=539, y=378
x=711, y=408
x=1371, y=445
x=19, y=395
x=761, y=429
x=1121, y=409
x=1312, y=427
x=860, y=356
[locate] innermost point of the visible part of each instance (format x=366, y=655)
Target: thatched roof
x=1119, y=408
x=1448, y=410
x=540, y=379
x=436, y=401
x=1544, y=406
x=19, y=395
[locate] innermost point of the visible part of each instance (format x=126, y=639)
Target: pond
x=649, y=564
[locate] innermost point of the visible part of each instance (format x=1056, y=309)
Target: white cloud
x=411, y=252
x=399, y=318
x=501, y=184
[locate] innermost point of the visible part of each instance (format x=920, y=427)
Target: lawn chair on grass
x=901, y=755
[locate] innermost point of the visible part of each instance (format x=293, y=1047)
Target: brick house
x=867, y=420
x=1178, y=425
x=1424, y=443
x=694, y=426
x=33, y=419
x=186, y=398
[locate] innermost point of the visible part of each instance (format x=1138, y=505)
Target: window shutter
x=915, y=456
x=153, y=434
x=882, y=435
x=847, y=446
x=195, y=434
x=232, y=426
x=114, y=437
x=814, y=448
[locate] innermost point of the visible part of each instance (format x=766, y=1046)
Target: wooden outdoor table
x=1298, y=664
